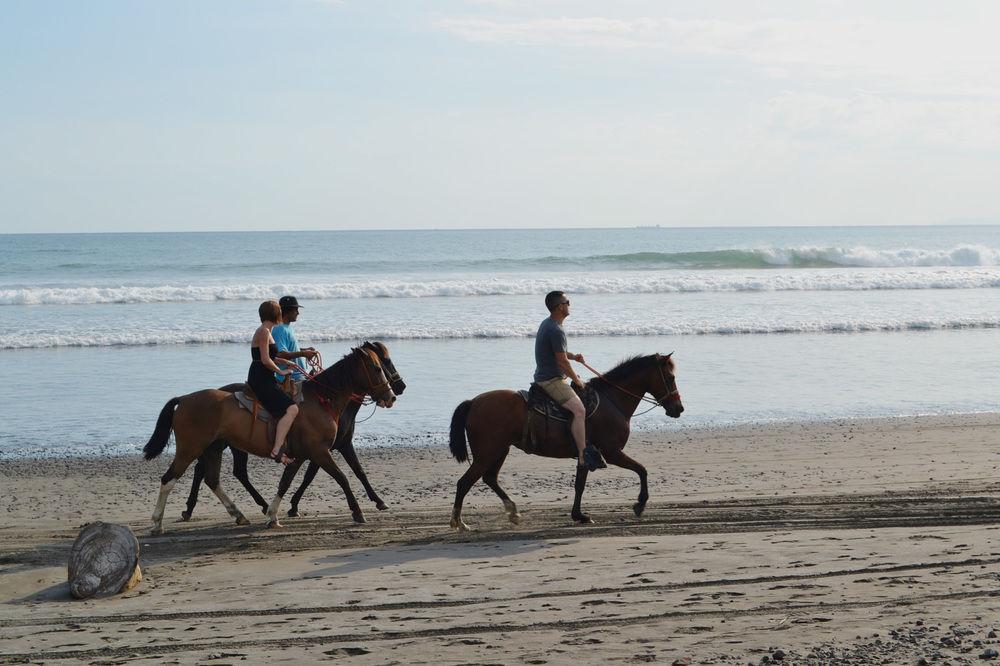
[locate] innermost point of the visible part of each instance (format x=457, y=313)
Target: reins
x=316, y=367
x=670, y=396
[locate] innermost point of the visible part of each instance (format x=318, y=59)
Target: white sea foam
x=447, y=332
x=628, y=283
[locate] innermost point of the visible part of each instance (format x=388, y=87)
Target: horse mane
x=623, y=370
x=338, y=376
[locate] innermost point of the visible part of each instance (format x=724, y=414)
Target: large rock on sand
x=104, y=560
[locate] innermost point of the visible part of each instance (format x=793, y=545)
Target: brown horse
x=207, y=416
x=494, y=421
x=210, y=463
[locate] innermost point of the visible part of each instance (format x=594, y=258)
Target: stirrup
x=593, y=459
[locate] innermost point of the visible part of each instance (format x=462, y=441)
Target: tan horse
x=201, y=418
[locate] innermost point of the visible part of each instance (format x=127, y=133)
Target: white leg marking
x=161, y=505
x=272, y=511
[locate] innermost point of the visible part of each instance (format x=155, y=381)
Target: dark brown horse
x=494, y=421
x=207, y=416
x=210, y=463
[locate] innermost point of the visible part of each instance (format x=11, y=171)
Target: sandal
x=282, y=457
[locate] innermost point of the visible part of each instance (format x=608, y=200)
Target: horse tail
x=161, y=434
x=457, y=441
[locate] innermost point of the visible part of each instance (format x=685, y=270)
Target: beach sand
x=846, y=542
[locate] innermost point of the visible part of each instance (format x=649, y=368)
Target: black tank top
x=272, y=351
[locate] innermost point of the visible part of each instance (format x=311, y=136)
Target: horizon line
x=434, y=229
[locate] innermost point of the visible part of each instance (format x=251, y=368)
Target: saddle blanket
x=542, y=403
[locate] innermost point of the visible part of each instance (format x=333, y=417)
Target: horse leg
x=490, y=479
x=328, y=464
x=291, y=469
x=240, y=459
x=581, y=483
x=351, y=458
x=213, y=469
x=619, y=458
x=199, y=474
x=167, y=482
x=308, y=479
x=473, y=474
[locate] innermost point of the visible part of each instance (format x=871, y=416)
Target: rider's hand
x=579, y=358
x=579, y=384
x=309, y=353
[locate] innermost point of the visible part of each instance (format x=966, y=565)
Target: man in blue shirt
x=552, y=368
x=284, y=339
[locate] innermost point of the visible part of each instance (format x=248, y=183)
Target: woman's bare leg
x=284, y=425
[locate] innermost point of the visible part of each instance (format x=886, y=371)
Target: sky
x=135, y=115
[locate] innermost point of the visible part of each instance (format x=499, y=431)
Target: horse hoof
x=263, y=510
x=515, y=518
x=273, y=524
x=359, y=517
x=156, y=530
x=185, y=516
x=242, y=520
x=293, y=512
x=583, y=519
x=381, y=506
x=459, y=524
x=639, y=507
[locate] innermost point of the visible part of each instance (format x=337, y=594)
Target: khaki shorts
x=559, y=389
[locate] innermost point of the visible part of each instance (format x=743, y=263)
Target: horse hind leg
x=192, y=500
x=475, y=472
x=490, y=479
x=167, y=482
x=240, y=460
x=213, y=467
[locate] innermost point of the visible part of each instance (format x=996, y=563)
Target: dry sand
x=850, y=542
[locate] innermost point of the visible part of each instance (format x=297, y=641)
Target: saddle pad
x=247, y=403
x=541, y=402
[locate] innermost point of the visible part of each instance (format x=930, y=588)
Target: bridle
x=392, y=377
x=372, y=386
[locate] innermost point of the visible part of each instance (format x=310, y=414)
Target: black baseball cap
x=288, y=302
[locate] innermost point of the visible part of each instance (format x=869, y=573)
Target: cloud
x=881, y=119
x=960, y=57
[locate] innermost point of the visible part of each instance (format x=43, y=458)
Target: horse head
x=668, y=397
x=370, y=374
x=395, y=381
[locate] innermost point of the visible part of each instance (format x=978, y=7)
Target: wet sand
x=849, y=542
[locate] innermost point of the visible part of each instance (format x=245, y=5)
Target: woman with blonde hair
x=261, y=378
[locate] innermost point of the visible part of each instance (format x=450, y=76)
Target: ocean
x=766, y=324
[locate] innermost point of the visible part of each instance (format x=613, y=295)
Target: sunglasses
x=564, y=303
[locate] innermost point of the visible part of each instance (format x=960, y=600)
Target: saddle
x=246, y=399
x=542, y=410
x=542, y=403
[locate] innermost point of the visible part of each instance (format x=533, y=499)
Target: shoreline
x=432, y=440
x=846, y=542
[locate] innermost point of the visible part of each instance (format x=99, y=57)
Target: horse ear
x=669, y=355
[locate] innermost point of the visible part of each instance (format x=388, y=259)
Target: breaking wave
x=622, y=283
x=119, y=338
